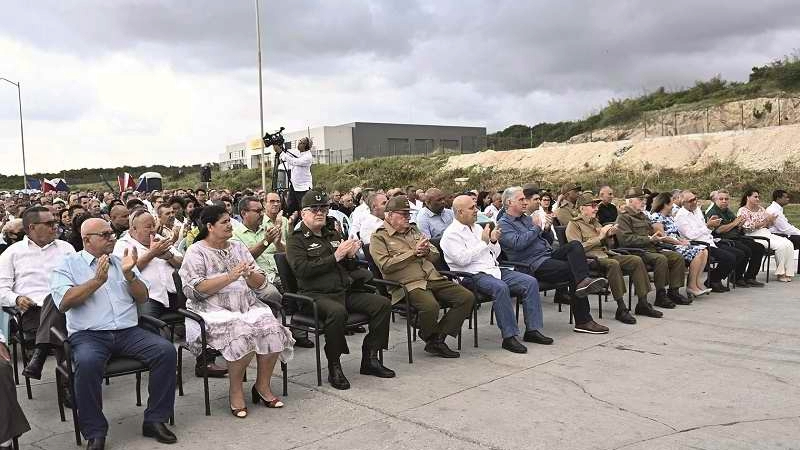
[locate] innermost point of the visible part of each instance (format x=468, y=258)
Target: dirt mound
x=758, y=149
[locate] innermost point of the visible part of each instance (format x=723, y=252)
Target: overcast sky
x=107, y=83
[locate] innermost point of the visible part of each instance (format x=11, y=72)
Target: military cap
x=315, y=198
x=635, y=192
x=570, y=187
x=398, y=203
x=587, y=198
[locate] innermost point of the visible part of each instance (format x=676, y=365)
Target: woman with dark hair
x=481, y=202
x=756, y=223
x=223, y=285
x=75, y=237
x=546, y=202
x=695, y=255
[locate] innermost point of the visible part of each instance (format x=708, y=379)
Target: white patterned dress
x=237, y=322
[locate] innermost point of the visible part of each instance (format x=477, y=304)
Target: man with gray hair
x=372, y=221
x=522, y=240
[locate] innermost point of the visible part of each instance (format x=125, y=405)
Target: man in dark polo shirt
x=730, y=227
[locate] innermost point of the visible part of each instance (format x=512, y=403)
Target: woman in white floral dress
x=223, y=284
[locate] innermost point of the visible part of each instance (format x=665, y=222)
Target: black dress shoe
x=512, y=344
x=624, y=316
x=437, y=347
x=336, y=377
x=742, y=283
x=159, y=432
x=718, y=287
x=536, y=337
x=646, y=309
x=303, y=342
x=371, y=365
x=96, y=444
x=677, y=298
x=753, y=282
x=35, y=365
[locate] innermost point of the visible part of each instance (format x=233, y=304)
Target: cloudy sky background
x=107, y=83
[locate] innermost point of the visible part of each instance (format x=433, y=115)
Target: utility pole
x=21, y=132
x=261, y=100
x=531, y=137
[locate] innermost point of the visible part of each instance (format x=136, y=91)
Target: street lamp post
x=261, y=100
x=21, y=132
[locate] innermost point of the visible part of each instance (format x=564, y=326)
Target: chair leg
x=600, y=305
x=60, y=397
x=408, y=342
x=180, y=371
x=459, y=338
x=285, y=370
x=491, y=315
x=319, y=364
x=107, y=381
x=570, y=312
x=630, y=294
x=475, y=330
x=28, y=387
x=74, y=409
x=138, y=388
x=15, y=444
x=518, y=302
x=15, y=357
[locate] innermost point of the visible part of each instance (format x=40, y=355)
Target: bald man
x=119, y=220
x=469, y=248
x=99, y=293
x=434, y=218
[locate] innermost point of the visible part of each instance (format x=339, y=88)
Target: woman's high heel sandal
x=274, y=403
x=240, y=413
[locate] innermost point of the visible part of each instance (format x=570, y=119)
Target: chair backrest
x=180, y=297
x=561, y=234
x=285, y=273
x=371, y=262
x=440, y=264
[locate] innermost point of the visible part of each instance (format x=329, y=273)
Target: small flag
x=126, y=182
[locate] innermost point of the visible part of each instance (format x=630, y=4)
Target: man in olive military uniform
x=405, y=256
x=566, y=207
x=587, y=230
x=325, y=267
x=635, y=230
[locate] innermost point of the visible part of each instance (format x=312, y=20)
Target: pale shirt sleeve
x=686, y=227
x=7, y=296
x=456, y=249
x=782, y=224
x=2, y=337
x=60, y=282
x=119, y=249
x=303, y=160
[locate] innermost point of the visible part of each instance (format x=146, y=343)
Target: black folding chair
x=309, y=323
x=186, y=314
x=19, y=342
x=117, y=366
x=769, y=253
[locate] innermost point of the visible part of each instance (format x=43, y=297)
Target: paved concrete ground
x=721, y=373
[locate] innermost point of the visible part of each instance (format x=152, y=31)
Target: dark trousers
x=440, y=293
x=12, y=420
x=91, y=350
x=294, y=201
x=332, y=310
x=50, y=317
x=726, y=258
x=748, y=268
x=568, y=263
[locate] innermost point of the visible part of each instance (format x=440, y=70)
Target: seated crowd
x=90, y=264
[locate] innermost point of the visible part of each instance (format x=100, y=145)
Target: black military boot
x=643, y=308
x=677, y=298
x=662, y=301
x=336, y=377
x=36, y=363
x=371, y=365
x=437, y=347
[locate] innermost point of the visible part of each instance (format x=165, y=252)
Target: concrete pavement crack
x=701, y=427
x=606, y=402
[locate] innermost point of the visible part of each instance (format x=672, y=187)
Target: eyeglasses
x=49, y=223
x=105, y=235
x=318, y=209
x=257, y=211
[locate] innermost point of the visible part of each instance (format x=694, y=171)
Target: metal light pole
x=21, y=132
x=260, y=99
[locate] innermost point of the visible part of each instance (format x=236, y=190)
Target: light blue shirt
x=433, y=225
x=110, y=307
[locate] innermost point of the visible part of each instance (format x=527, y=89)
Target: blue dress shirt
x=433, y=225
x=521, y=240
x=110, y=307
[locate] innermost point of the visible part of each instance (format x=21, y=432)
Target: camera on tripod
x=275, y=138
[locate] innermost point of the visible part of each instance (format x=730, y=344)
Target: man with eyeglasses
x=24, y=272
x=406, y=256
x=99, y=294
x=11, y=233
x=324, y=264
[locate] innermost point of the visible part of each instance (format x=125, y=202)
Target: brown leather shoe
x=590, y=327
x=213, y=370
x=589, y=286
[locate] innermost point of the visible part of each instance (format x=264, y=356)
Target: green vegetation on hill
x=777, y=77
x=93, y=178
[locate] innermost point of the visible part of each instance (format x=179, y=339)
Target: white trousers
x=784, y=252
